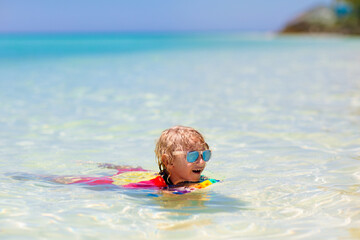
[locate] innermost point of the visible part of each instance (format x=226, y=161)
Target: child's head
x=171, y=152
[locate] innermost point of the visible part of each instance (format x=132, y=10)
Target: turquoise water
x=282, y=115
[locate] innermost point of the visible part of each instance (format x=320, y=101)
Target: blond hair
x=177, y=138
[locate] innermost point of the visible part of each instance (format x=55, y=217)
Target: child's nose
x=200, y=160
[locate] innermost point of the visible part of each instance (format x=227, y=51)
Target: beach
x=280, y=113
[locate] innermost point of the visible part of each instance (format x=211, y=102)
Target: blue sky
x=148, y=15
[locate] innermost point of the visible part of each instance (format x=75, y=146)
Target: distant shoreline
x=333, y=20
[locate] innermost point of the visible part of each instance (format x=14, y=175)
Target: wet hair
x=177, y=138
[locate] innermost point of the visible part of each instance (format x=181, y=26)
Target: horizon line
x=135, y=32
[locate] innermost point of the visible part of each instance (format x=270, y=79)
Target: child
x=182, y=154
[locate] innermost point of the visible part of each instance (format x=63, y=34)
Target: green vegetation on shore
x=343, y=16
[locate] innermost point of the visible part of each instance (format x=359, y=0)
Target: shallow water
x=282, y=115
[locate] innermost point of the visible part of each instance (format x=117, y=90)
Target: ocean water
x=282, y=115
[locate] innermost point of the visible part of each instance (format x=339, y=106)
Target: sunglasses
x=192, y=156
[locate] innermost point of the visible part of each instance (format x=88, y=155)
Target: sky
x=48, y=16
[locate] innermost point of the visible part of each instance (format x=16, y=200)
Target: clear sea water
x=282, y=115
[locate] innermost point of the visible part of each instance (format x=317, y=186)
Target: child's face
x=181, y=170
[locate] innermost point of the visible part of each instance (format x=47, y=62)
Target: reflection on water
x=353, y=190
x=185, y=224
x=354, y=233
x=201, y=201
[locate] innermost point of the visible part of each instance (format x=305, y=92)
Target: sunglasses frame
x=199, y=152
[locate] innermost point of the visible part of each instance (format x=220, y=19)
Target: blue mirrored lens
x=192, y=156
x=206, y=155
